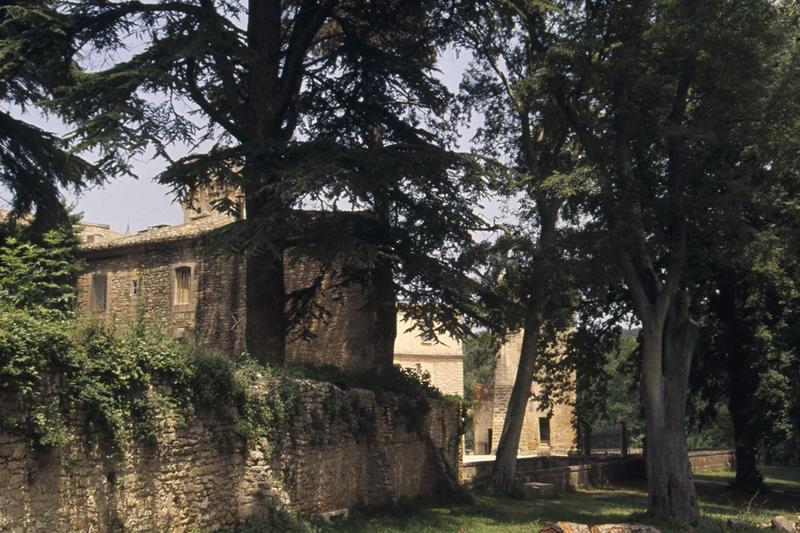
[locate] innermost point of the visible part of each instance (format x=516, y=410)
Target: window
x=183, y=284
x=544, y=430
x=134, y=287
x=97, y=292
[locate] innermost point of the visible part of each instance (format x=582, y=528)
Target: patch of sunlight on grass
x=488, y=514
x=777, y=477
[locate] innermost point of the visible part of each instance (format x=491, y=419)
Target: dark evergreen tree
x=265, y=84
x=35, y=57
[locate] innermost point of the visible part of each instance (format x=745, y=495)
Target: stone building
x=543, y=432
x=163, y=274
x=443, y=360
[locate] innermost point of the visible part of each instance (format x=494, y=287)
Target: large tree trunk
x=265, y=328
x=382, y=296
x=667, y=353
x=266, y=299
x=382, y=314
x=745, y=432
x=505, y=464
x=742, y=383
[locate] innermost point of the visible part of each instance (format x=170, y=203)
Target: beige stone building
x=543, y=432
x=443, y=360
x=163, y=273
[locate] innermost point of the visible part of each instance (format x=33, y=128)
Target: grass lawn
x=781, y=478
x=620, y=503
x=625, y=502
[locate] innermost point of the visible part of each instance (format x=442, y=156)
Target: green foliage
x=35, y=163
x=124, y=382
x=399, y=380
x=39, y=276
x=480, y=358
x=29, y=347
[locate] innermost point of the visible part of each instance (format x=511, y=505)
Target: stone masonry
x=559, y=422
x=442, y=360
x=200, y=476
x=140, y=274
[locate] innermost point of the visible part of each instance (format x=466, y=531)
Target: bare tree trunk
x=505, y=464
x=745, y=435
x=265, y=330
x=742, y=384
x=382, y=312
x=667, y=354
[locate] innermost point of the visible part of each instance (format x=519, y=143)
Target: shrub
x=34, y=276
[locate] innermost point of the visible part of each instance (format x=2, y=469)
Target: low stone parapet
x=718, y=459
x=568, y=472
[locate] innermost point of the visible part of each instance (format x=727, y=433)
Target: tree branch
x=206, y=106
x=306, y=26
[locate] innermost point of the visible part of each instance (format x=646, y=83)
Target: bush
x=39, y=276
x=31, y=347
x=124, y=381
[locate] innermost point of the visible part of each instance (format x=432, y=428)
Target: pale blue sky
x=126, y=202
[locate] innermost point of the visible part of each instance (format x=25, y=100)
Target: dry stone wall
x=342, y=448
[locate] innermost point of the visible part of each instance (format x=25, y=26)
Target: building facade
x=442, y=359
x=167, y=275
x=544, y=432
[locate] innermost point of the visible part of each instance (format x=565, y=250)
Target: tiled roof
x=163, y=234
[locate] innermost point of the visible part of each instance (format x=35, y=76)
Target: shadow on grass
x=621, y=503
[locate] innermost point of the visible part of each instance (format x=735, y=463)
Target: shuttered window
x=183, y=285
x=98, y=292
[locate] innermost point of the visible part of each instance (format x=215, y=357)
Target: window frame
x=548, y=432
x=94, y=301
x=179, y=292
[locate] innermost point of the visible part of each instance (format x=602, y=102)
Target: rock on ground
x=570, y=527
x=781, y=523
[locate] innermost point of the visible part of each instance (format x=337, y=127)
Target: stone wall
x=706, y=460
x=568, y=472
x=344, y=448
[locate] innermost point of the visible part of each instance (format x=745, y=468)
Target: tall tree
x=746, y=257
x=34, y=163
x=419, y=193
x=637, y=82
x=524, y=126
x=259, y=74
